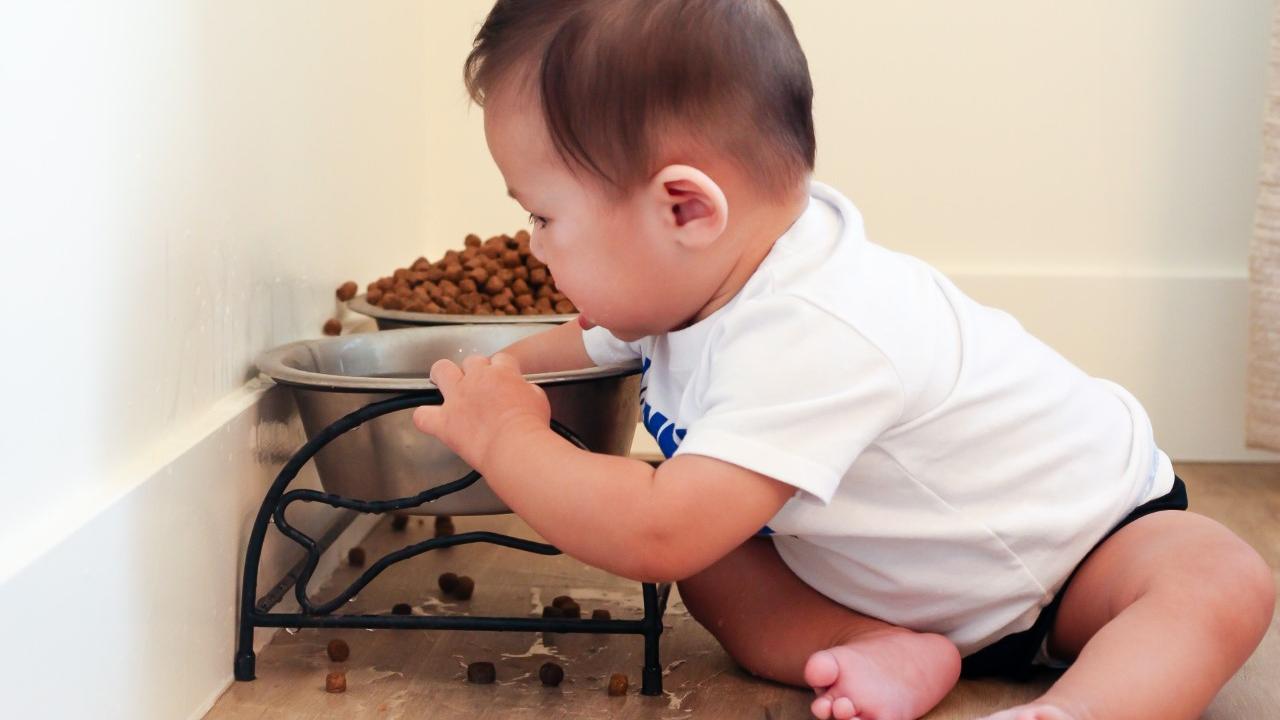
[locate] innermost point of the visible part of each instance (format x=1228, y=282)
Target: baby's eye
x=537, y=221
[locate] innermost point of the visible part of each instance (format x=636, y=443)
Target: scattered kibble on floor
x=550, y=674
x=335, y=682
x=444, y=529
x=402, y=609
x=338, y=650
x=399, y=522
x=571, y=610
x=347, y=290
x=466, y=586
x=332, y=326
x=600, y=614
x=618, y=684
x=448, y=583
x=561, y=600
x=551, y=611
x=481, y=673
x=355, y=556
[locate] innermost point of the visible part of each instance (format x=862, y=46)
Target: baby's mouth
x=585, y=322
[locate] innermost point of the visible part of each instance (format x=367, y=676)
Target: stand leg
x=651, y=679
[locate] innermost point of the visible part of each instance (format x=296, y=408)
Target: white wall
x=1090, y=167
x=182, y=185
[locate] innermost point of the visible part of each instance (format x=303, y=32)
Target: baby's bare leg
x=777, y=627
x=1158, y=618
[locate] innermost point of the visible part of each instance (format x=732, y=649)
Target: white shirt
x=951, y=469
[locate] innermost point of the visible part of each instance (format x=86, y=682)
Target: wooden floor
x=420, y=674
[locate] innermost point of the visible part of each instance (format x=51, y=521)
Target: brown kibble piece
x=481, y=673
x=338, y=650
x=468, y=285
x=562, y=600
x=494, y=285
x=399, y=522
x=466, y=586
x=444, y=529
x=511, y=258
x=551, y=611
x=347, y=290
x=550, y=674
x=617, y=684
x=472, y=240
x=524, y=301
x=571, y=610
x=332, y=326
x=355, y=556
x=448, y=582
x=392, y=302
x=335, y=682
x=600, y=614
x=374, y=296
x=520, y=287
x=402, y=609
x=564, y=307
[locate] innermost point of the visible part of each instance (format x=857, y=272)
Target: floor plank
x=407, y=673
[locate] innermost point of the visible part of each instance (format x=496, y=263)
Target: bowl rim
x=360, y=304
x=271, y=363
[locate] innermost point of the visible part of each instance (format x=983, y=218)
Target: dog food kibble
x=347, y=290
x=600, y=615
x=571, y=610
x=562, y=600
x=399, y=522
x=355, y=556
x=401, y=609
x=466, y=586
x=551, y=611
x=335, y=682
x=481, y=279
x=338, y=650
x=333, y=326
x=550, y=674
x=618, y=684
x=444, y=529
x=481, y=673
x=448, y=583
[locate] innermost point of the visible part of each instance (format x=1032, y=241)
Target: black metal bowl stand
x=256, y=612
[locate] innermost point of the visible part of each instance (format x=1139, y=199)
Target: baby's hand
x=484, y=401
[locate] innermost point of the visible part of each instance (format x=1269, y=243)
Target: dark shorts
x=1011, y=657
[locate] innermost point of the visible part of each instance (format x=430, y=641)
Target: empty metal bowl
x=388, y=457
x=392, y=319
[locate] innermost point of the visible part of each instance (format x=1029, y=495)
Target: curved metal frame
x=256, y=612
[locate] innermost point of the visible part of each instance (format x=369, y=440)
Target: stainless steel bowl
x=387, y=457
x=392, y=319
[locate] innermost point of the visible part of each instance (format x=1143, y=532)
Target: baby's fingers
x=445, y=375
x=428, y=418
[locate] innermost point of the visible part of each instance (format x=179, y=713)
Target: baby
x=874, y=484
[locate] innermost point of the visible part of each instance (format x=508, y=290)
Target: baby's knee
x=1241, y=587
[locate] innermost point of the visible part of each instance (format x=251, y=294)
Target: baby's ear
x=692, y=205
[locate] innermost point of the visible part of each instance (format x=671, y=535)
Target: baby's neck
x=749, y=238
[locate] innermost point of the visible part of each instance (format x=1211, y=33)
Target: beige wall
x=1088, y=166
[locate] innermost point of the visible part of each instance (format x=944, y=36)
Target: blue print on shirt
x=663, y=429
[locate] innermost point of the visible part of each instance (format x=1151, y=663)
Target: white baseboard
x=131, y=614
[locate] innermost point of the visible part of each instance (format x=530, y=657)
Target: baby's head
x=630, y=129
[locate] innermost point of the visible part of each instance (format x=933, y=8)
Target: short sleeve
x=795, y=393
x=605, y=349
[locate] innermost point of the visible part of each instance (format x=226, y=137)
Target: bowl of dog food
x=387, y=457
x=488, y=282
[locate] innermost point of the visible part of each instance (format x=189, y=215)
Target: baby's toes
x=821, y=707
x=842, y=709
x=822, y=670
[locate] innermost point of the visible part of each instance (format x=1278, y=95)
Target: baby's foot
x=894, y=675
x=1034, y=711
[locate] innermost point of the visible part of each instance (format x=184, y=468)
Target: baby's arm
x=560, y=348
x=615, y=513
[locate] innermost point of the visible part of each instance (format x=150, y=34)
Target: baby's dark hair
x=615, y=75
